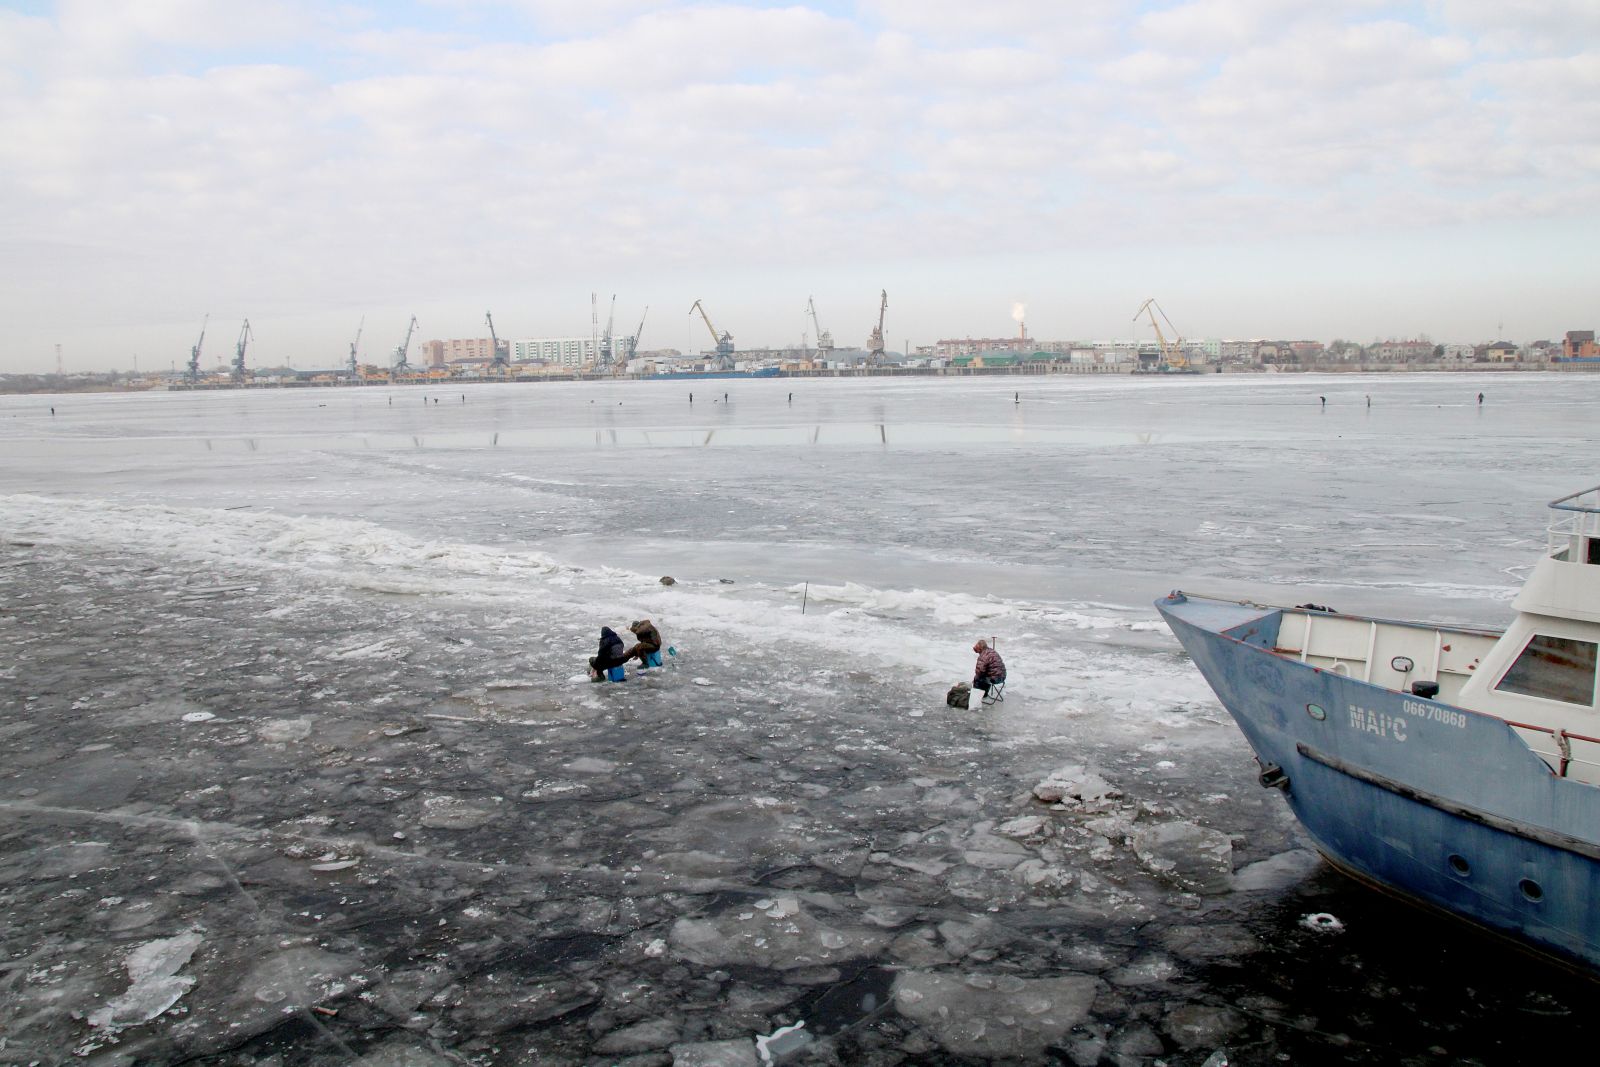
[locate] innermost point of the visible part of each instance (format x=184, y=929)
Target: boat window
x=1555, y=668
x=1594, y=550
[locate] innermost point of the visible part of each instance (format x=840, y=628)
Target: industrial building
x=557, y=351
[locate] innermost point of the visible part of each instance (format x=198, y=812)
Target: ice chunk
x=282, y=731
x=640, y=1037
x=399, y=1053
x=156, y=985
x=1077, y=787
x=1211, y=941
x=1196, y=1025
x=765, y=939
x=740, y=1053
x=1277, y=872
x=982, y=1016
x=1150, y=969
x=783, y=1041
x=697, y=864
x=452, y=813
x=1189, y=856
x=1028, y=826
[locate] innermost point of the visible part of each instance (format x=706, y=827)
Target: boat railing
x=1579, y=518
x=1563, y=750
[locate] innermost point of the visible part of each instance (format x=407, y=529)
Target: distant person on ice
x=991, y=669
x=649, y=640
x=611, y=653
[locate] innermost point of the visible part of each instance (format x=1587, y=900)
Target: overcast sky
x=1271, y=168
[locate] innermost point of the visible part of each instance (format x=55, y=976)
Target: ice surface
x=398, y=786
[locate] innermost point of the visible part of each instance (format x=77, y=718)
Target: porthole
x=1402, y=664
x=1316, y=712
x=1531, y=890
x=1459, y=865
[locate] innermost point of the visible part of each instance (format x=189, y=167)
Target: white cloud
x=153, y=164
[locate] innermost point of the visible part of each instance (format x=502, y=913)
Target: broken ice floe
x=783, y=1041
x=995, y=1016
x=783, y=938
x=1276, y=872
x=283, y=731
x=452, y=813
x=156, y=985
x=1075, y=787
x=1189, y=856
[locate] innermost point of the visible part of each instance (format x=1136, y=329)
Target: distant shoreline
x=48, y=384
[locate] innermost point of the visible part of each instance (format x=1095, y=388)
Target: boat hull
x=1434, y=802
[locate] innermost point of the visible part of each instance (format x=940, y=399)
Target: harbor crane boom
x=631, y=344
x=499, y=361
x=724, y=340
x=194, y=353
x=402, y=353
x=606, y=352
x=245, y=337
x=356, y=344
x=875, y=342
x=1171, y=352
x=824, y=338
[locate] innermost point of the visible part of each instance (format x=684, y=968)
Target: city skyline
x=1359, y=170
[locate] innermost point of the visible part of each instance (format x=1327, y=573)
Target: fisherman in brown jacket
x=649, y=641
x=990, y=671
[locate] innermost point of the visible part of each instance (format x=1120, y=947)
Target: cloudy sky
x=1276, y=168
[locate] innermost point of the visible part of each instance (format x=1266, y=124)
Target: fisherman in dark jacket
x=649, y=641
x=611, y=652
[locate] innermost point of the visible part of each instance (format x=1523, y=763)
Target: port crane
x=500, y=361
x=1171, y=352
x=194, y=353
x=875, y=342
x=351, y=364
x=724, y=341
x=606, y=352
x=824, y=338
x=403, y=351
x=245, y=337
x=630, y=345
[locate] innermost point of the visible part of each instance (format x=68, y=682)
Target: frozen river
x=300, y=764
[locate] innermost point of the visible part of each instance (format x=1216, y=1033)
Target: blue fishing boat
x=1459, y=768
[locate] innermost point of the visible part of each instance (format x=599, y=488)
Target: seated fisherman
x=611, y=653
x=991, y=669
x=649, y=642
